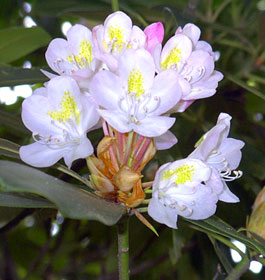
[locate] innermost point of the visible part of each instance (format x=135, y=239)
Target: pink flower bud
x=155, y=34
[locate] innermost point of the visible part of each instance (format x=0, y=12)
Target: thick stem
x=123, y=248
x=115, y=5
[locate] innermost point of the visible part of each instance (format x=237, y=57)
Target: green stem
x=115, y=5
x=123, y=248
x=239, y=270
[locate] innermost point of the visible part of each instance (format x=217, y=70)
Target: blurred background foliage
x=40, y=243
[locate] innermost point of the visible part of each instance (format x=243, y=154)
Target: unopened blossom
x=74, y=56
x=59, y=117
x=222, y=154
x=193, y=61
x=154, y=35
x=184, y=188
x=115, y=36
x=135, y=99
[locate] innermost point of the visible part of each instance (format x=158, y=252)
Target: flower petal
x=165, y=91
x=57, y=54
x=34, y=115
x=178, y=48
x=228, y=196
x=162, y=214
x=40, y=155
x=105, y=88
x=116, y=119
x=165, y=141
x=136, y=70
x=192, y=31
x=83, y=150
x=153, y=126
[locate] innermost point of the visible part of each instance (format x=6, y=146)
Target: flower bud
x=101, y=184
x=126, y=178
x=257, y=219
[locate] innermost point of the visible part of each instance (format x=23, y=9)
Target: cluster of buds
x=119, y=76
x=116, y=171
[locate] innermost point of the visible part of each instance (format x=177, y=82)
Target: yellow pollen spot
x=183, y=173
x=116, y=37
x=85, y=54
x=135, y=83
x=68, y=110
x=69, y=58
x=172, y=59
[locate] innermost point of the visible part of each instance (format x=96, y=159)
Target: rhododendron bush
x=120, y=130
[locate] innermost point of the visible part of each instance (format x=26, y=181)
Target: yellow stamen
x=68, y=110
x=116, y=36
x=183, y=173
x=172, y=59
x=85, y=53
x=135, y=83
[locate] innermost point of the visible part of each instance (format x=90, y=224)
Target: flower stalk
x=123, y=248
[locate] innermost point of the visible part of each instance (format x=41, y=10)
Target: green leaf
x=8, y=148
x=7, y=214
x=72, y=201
x=221, y=228
x=24, y=200
x=12, y=76
x=17, y=42
x=245, y=86
x=222, y=253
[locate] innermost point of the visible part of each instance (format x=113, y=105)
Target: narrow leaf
x=245, y=86
x=8, y=148
x=144, y=221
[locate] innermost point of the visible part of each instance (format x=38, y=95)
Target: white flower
x=115, y=36
x=184, y=188
x=135, y=99
x=193, y=61
x=74, y=57
x=221, y=153
x=59, y=117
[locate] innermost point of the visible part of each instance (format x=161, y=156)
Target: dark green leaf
x=17, y=42
x=24, y=200
x=72, y=201
x=8, y=148
x=223, y=254
x=221, y=228
x=12, y=76
x=7, y=214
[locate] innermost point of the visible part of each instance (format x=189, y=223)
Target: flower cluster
x=119, y=76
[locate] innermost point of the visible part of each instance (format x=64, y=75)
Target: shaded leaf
x=223, y=254
x=8, y=148
x=7, y=214
x=221, y=228
x=12, y=76
x=72, y=201
x=24, y=200
x=17, y=42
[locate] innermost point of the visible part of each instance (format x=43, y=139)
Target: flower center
x=116, y=36
x=182, y=174
x=84, y=58
x=135, y=83
x=172, y=59
x=68, y=110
